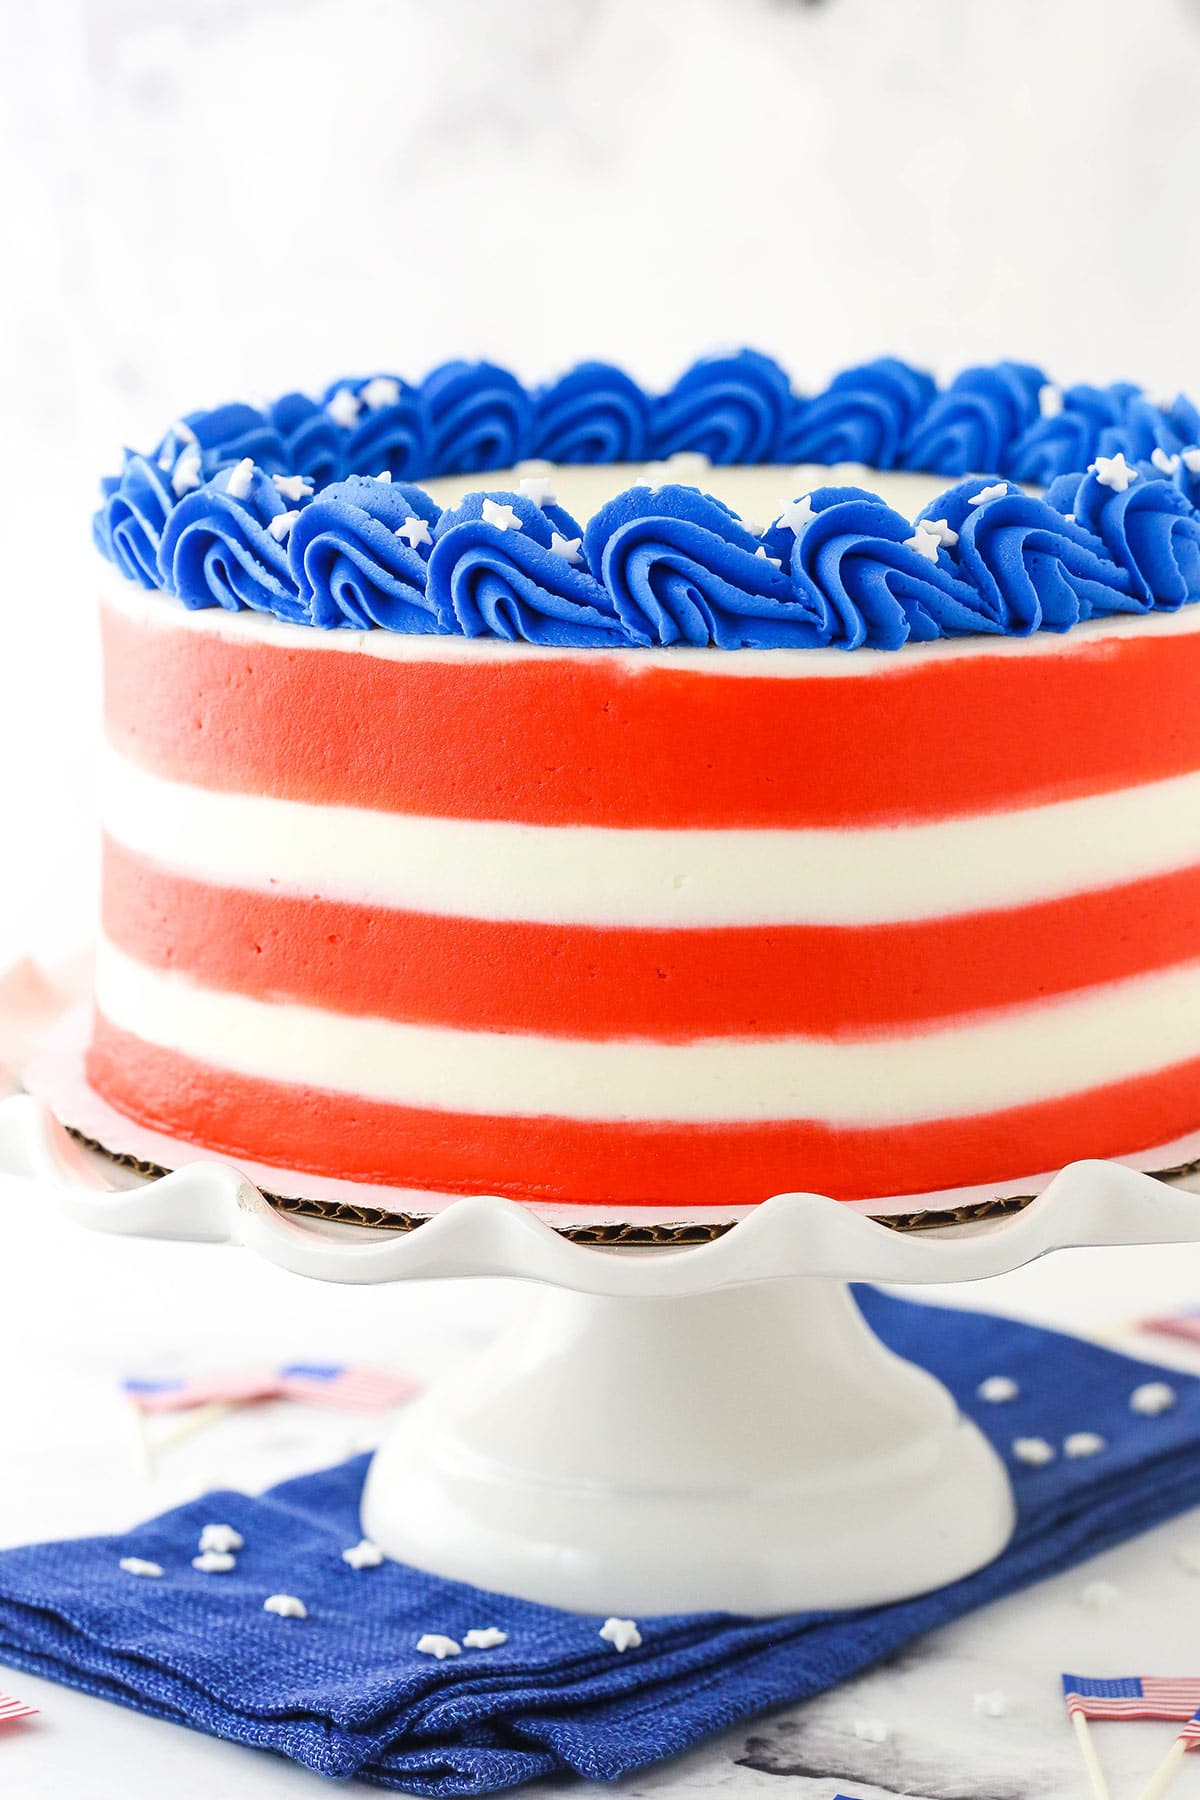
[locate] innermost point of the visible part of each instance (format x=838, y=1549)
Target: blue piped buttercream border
x=310, y=508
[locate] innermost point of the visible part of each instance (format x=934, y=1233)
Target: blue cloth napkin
x=344, y=1691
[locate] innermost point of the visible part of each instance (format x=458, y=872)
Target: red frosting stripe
x=642, y=744
x=610, y=982
x=641, y=1164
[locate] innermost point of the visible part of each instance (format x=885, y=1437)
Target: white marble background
x=209, y=198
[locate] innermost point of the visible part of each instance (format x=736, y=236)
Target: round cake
x=614, y=801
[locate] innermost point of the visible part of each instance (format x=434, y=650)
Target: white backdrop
x=219, y=198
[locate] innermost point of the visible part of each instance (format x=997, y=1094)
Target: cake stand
x=705, y=1427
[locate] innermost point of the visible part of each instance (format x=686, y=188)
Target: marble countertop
x=77, y=1311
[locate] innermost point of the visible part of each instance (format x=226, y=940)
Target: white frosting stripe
x=606, y=876
x=1016, y=1058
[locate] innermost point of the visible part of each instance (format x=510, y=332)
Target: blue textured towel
x=345, y=1692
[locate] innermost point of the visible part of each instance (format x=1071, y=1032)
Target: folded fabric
x=345, y=1691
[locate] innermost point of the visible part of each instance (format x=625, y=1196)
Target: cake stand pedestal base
x=755, y=1449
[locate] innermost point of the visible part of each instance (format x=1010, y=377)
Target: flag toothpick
x=1134, y=1697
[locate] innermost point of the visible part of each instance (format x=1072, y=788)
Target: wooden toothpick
x=1166, y=1771
x=1091, y=1761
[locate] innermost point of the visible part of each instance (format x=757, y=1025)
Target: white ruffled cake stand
x=708, y=1427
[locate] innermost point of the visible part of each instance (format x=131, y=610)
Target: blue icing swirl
x=1032, y=567
x=682, y=569
x=856, y=554
x=389, y=433
x=974, y=422
x=358, y=559
x=313, y=442
x=1141, y=429
x=1066, y=440
x=477, y=417
x=1149, y=529
x=732, y=409
x=224, y=435
x=595, y=413
x=865, y=415
x=128, y=525
x=1184, y=417
x=489, y=580
x=217, y=550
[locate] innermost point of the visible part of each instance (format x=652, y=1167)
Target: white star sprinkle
x=343, y=407
x=997, y=491
x=183, y=431
x=381, y=390
x=871, y=1731
x=1099, y=1594
x=221, y=1537
x=997, y=1390
x=414, y=531
x=1191, y=460
x=925, y=543
x=1069, y=517
x=486, y=1639
x=990, y=1705
x=384, y=475
x=292, y=487
x=1152, y=1398
x=214, y=1562
x=622, y=1634
x=1163, y=461
x=941, y=529
x=286, y=1605
x=281, y=525
x=538, y=488
x=434, y=1644
x=1113, y=472
x=776, y=562
x=1035, y=1452
x=1084, y=1443
x=795, y=515
x=137, y=1565
x=186, y=473
x=1050, y=400
x=501, y=515
x=364, y=1555
x=241, y=476
x=568, y=548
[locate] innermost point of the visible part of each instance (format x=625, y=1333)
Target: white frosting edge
x=150, y=608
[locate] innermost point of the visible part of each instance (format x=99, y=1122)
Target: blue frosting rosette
x=682, y=569
x=505, y=567
x=1032, y=566
x=218, y=547
x=358, y=555
x=865, y=415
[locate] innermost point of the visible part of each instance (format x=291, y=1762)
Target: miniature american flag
x=356, y=1389
x=1184, y=1325
x=1135, y=1697
x=12, y=1708
x=227, y=1387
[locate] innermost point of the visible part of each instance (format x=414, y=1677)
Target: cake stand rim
x=1088, y=1204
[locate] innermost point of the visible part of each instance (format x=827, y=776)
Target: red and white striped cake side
x=656, y=928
